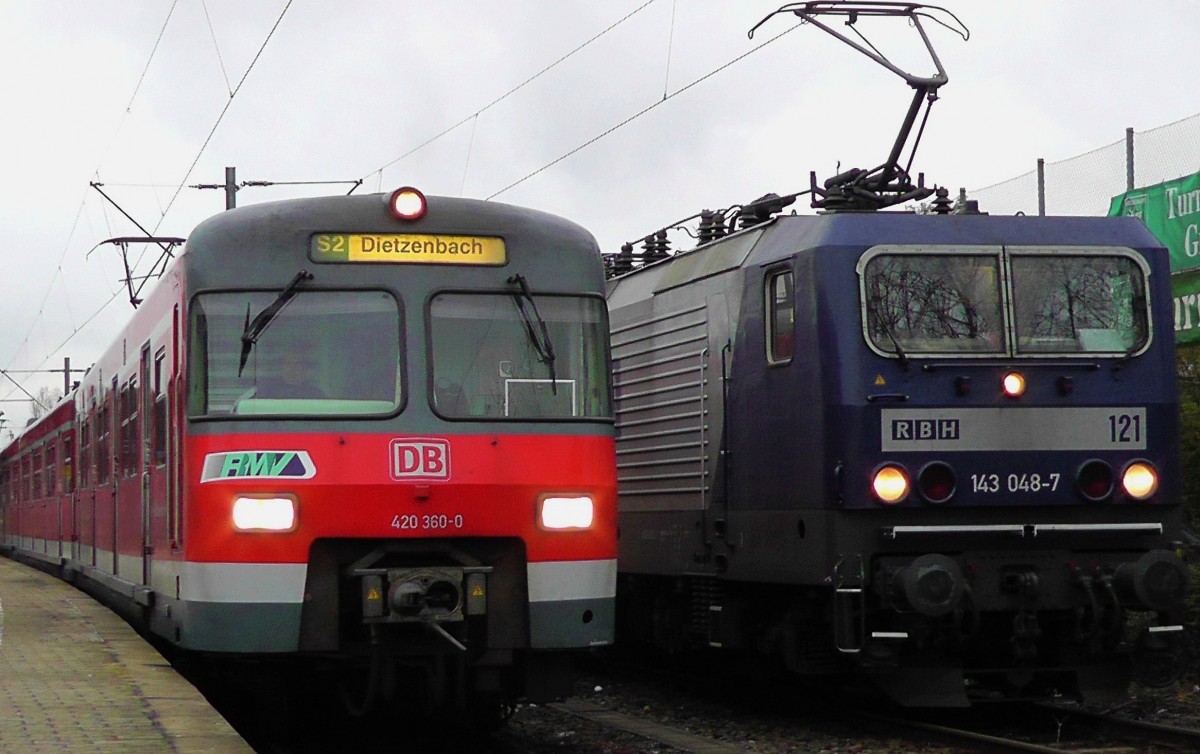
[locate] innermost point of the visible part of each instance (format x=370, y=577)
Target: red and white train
x=370, y=431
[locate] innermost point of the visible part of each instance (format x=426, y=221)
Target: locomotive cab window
x=781, y=317
x=1078, y=304
x=933, y=303
x=1017, y=301
x=506, y=356
x=324, y=353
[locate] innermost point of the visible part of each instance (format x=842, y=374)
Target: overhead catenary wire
x=232, y=93
x=208, y=139
x=138, y=87
x=58, y=272
x=467, y=162
x=166, y=210
x=670, y=44
x=22, y=389
x=221, y=117
x=213, y=33
x=642, y=112
x=475, y=115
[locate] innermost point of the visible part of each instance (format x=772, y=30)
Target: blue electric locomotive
x=941, y=447
x=937, y=448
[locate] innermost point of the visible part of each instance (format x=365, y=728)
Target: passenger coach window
x=159, y=430
x=542, y=359
x=324, y=353
x=1071, y=304
x=781, y=324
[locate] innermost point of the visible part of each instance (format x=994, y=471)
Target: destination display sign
x=407, y=248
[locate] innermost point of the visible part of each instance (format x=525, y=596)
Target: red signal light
x=407, y=203
x=1094, y=480
x=936, y=482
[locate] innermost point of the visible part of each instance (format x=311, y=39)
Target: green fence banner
x=1185, y=289
x=1171, y=210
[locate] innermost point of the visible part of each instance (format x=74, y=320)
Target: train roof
x=58, y=417
x=244, y=243
x=854, y=232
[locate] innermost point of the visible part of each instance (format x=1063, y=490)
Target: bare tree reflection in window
x=1077, y=303
x=934, y=303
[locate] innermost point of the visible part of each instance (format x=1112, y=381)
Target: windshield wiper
x=254, y=328
x=539, y=337
x=887, y=330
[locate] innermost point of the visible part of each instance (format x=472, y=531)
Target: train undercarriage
x=427, y=627
x=929, y=635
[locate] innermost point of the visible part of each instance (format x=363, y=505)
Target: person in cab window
x=295, y=376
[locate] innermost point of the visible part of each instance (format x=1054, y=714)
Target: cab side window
x=781, y=317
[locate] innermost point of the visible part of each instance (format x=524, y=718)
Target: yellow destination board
x=405, y=248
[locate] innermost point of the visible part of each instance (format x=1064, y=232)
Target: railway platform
x=75, y=677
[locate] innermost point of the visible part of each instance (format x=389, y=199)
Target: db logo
x=420, y=459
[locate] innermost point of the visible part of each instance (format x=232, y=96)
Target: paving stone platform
x=75, y=677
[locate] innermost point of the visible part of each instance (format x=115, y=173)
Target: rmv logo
x=925, y=429
x=258, y=464
x=420, y=459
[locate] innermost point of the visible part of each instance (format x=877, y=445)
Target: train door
x=49, y=492
x=99, y=438
x=66, y=495
x=81, y=478
x=720, y=353
x=145, y=458
x=114, y=463
x=173, y=436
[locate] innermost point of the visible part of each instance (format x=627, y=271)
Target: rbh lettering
x=925, y=429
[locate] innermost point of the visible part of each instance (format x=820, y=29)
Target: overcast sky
x=149, y=98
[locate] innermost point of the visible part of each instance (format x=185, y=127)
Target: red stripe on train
x=397, y=487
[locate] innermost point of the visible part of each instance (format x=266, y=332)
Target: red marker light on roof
x=407, y=203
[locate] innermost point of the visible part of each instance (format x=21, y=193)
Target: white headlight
x=567, y=512
x=264, y=514
x=890, y=484
x=1140, y=480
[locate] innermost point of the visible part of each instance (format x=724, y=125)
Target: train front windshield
x=1015, y=301
x=322, y=352
x=493, y=355
x=507, y=355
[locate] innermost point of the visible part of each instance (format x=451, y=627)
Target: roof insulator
x=656, y=247
x=712, y=226
x=941, y=203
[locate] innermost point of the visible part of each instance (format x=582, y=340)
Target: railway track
x=1162, y=738
x=631, y=711
x=1065, y=731
x=1062, y=731
x=791, y=718
x=666, y=735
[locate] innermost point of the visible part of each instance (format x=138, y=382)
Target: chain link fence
x=1085, y=184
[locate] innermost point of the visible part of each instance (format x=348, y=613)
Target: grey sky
x=343, y=89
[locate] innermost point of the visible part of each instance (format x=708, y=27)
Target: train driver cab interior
x=325, y=352
x=500, y=355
